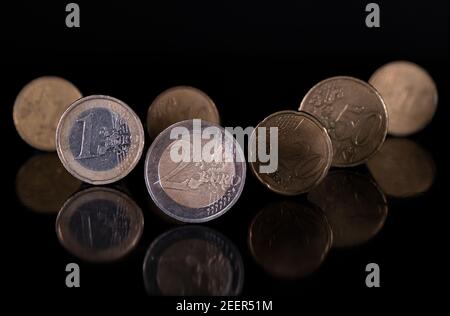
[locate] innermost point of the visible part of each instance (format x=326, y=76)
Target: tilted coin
x=191, y=261
x=99, y=139
x=43, y=185
x=179, y=104
x=205, y=181
x=99, y=224
x=39, y=106
x=402, y=168
x=289, y=239
x=304, y=152
x=355, y=207
x=354, y=114
x=410, y=95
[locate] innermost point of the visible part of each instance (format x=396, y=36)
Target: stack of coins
x=341, y=122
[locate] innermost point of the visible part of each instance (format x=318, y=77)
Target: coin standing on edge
x=410, y=95
x=179, y=104
x=99, y=139
x=304, y=152
x=191, y=190
x=99, y=224
x=38, y=107
x=193, y=260
x=354, y=115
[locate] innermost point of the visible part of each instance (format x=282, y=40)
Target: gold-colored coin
x=178, y=104
x=304, y=152
x=410, y=95
x=39, y=106
x=354, y=115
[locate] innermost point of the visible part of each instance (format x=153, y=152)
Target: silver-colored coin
x=193, y=260
x=205, y=182
x=99, y=224
x=99, y=139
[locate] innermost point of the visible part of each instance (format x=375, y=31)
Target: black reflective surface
x=252, y=61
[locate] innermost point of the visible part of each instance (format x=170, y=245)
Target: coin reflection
x=402, y=168
x=289, y=239
x=99, y=224
x=43, y=184
x=356, y=209
x=193, y=260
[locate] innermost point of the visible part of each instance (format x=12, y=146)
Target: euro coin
x=38, y=108
x=99, y=139
x=354, y=115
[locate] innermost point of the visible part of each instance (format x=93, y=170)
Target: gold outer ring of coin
x=375, y=91
x=28, y=116
x=151, y=116
x=106, y=179
x=329, y=148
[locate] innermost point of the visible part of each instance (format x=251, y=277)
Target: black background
x=252, y=59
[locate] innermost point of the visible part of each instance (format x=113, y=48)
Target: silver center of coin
x=99, y=139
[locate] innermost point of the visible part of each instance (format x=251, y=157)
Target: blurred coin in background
x=179, y=104
x=410, y=95
x=38, y=108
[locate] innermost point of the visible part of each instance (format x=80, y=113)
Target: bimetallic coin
x=179, y=104
x=43, y=185
x=355, y=207
x=192, y=261
x=354, y=114
x=99, y=139
x=206, y=182
x=289, y=239
x=304, y=152
x=410, y=94
x=99, y=224
x=402, y=168
x=39, y=106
